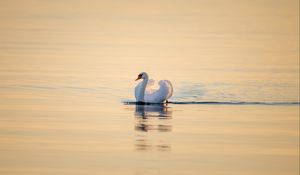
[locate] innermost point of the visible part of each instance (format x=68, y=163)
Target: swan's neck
x=142, y=89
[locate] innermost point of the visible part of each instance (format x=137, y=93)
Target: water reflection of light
x=152, y=118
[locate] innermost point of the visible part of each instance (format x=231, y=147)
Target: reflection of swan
x=160, y=111
x=157, y=110
x=151, y=119
x=145, y=93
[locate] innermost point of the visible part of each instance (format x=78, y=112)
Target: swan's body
x=145, y=93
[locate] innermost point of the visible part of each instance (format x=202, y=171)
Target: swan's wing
x=169, y=86
x=164, y=92
x=150, y=82
x=149, y=88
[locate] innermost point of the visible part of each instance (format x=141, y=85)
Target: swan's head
x=142, y=75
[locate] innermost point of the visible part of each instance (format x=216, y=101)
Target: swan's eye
x=140, y=75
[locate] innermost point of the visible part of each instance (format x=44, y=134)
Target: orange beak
x=139, y=77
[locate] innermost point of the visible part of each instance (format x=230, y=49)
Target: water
x=67, y=73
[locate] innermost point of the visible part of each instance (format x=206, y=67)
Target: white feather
x=152, y=95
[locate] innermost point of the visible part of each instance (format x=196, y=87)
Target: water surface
x=67, y=67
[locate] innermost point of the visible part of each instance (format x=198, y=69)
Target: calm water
x=67, y=67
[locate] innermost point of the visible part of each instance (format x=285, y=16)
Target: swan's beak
x=139, y=77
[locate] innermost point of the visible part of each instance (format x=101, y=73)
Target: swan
x=144, y=93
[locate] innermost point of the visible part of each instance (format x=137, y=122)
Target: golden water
x=66, y=67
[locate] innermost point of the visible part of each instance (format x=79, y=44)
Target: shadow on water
x=151, y=119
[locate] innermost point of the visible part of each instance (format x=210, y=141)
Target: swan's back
x=160, y=95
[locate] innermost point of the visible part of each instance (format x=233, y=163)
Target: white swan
x=145, y=93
